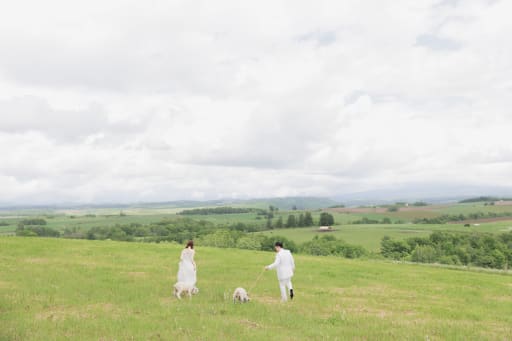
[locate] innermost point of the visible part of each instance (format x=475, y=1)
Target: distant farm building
x=325, y=229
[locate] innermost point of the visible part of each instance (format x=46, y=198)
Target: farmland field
x=60, y=221
x=56, y=289
x=366, y=235
x=369, y=236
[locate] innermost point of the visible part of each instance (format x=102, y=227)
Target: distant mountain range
x=286, y=203
x=426, y=192
x=435, y=193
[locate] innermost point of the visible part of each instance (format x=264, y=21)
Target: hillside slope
x=73, y=289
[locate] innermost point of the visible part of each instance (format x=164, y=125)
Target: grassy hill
x=56, y=289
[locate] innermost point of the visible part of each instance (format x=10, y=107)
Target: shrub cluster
x=476, y=249
x=483, y=198
x=293, y=220
x=32, y=221
x=328, y=245
x=366, y=220
x=36, y=231
x=205, y=233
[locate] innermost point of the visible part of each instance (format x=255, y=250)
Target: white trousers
x=283, y=284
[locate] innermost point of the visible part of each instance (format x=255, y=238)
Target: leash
x=256, y=281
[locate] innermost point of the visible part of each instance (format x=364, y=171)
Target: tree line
x=365, y=220
x=471, y=249
x=300, y=220
x=218, y=210
x=203, y=232
x=483, y=198
x=445, y=218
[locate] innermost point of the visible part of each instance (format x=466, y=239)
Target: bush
x=33, y=221
x=328, y=245
x=36, y=231
x=395, y=249
x=479, y=249
x=424, y=254
x=267, y=243
x=326, y=219
x=249, y=242
x=219, y=238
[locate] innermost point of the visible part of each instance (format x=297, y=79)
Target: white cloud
x=125, y=101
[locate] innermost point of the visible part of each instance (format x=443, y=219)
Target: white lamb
x=240, y=295
x=182, y=287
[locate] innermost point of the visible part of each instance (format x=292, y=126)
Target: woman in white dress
x=187, y=266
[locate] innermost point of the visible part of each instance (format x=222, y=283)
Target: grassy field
x=55, y=289
x=369, y=236
x=474, y=207
x=80, y=219
x=60, y=220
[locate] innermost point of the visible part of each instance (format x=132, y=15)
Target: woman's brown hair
x=190, y=243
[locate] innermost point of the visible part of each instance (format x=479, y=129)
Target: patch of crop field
x=61, y=222
x=409, y=215
x=369, y=236
x=55, y=289
x=226, y=219
x=7, y=230
x=475, y=207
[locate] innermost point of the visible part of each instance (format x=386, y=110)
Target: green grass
x=55, y=289
x=474, y=207
x=370, y=236
x=79, y=219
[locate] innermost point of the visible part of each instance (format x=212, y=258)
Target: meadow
x=369, y=236
x=60, y=220
x=56, y=289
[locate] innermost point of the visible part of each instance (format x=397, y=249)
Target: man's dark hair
x=278, y=244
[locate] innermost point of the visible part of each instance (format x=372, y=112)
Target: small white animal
x=182, y=287
x=240, y=295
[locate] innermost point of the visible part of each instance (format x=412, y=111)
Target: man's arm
x=276, y=263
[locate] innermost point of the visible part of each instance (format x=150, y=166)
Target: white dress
x=187, y=267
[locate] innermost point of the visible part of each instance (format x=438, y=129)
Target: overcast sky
x=130, y=101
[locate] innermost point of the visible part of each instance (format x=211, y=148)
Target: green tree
x=424, y=254
x=308, y=219
x=219, y=238
x=326, y=219
x=396, y=249
x=279, y=222
x=292, y=221
x=300, y=223
x=249, y=242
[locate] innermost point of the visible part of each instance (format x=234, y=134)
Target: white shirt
x=284, y=264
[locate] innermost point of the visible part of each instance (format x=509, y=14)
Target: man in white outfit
x=285, y=266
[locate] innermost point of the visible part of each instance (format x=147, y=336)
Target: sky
x=158, y=100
